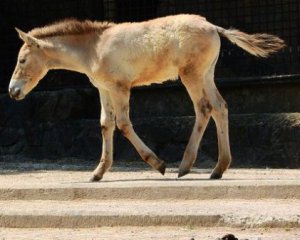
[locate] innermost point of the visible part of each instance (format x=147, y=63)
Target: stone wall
x=63, y=124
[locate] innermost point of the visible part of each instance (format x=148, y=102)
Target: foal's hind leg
x=220, y=116
x=120, y=98
x=202, y=107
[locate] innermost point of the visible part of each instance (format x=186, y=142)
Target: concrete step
x=199, y=213
x=144, y=184
x=129, y=196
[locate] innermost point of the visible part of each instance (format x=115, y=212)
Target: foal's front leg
x=120, y=98
x=107, y=121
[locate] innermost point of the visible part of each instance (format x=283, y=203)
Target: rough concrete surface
x=200, y=213
x=142, y=183
x=133, y=202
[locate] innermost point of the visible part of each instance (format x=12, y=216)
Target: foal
x=118, y=57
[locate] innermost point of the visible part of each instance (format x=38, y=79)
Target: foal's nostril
x=17, y=92
x=14, y=92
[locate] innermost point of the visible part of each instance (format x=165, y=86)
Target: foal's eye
x=22, y=60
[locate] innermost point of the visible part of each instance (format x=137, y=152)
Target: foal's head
x=31, y=66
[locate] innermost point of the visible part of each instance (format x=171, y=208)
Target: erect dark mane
x=70, y=27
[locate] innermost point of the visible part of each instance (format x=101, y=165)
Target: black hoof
x=95, y=178
x=162, y=168
x=215, y=175
x=181, y=173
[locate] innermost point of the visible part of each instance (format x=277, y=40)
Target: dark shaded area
x=59, y=119
x=278, y=17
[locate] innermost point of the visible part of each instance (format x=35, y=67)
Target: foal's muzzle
x=15, y=93
x=15, y=89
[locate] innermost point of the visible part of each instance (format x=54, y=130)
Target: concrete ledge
x=154, y=193
x=130, y=183
x=199, y=213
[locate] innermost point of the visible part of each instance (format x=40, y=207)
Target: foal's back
x=157, y=50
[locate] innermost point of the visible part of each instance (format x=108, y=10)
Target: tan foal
x=118, y=57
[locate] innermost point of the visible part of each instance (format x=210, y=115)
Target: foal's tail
x=258, y=44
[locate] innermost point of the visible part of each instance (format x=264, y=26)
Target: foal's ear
x=29, y=40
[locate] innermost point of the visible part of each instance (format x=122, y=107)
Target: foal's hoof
x=182, y=173
x=215, y=175
x=95, y=178
x=162, y=168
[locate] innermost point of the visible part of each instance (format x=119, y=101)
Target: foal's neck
x=71, y=52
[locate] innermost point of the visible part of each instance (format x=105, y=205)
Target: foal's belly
x=155, y=74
